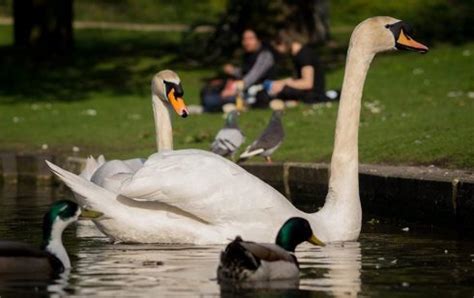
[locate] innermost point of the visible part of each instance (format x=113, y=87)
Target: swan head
x=379, y=34
x=167, y=86
x=294, y=231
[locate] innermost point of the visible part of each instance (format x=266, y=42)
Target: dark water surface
x=385, y=262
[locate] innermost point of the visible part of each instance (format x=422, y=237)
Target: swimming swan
x=166, y=91
x=194, y=196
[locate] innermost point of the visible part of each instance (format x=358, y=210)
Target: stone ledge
x=427, y=195
x=31, y=168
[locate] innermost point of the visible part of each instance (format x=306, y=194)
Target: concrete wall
x=422, y=194
x=426, y=195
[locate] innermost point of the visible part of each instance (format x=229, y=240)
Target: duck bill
x=314, y=240
x=90, y=214
x=178, y=104
x=405, y=42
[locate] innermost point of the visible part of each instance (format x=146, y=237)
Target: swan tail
x=87, y=193
x=101, y=160
x=92, y=165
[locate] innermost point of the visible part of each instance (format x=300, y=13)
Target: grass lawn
x=417, y=109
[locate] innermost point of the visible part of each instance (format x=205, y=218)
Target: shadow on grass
x=114, y=62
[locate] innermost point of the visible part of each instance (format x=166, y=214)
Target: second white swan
x=167, y=92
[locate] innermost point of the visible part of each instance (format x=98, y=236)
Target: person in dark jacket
x=308, y=83
x=257, y=66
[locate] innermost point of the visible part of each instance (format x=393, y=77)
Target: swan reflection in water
x=121, y=269
x=172, y=269
x=335, y=268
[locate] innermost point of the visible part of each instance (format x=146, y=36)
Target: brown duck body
x=20, y=258
x=250, y=261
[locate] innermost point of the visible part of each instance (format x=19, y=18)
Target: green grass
x=6, y=35
x=426, y=115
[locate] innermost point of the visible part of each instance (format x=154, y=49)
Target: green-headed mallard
x=250, y=261
x=21, y=258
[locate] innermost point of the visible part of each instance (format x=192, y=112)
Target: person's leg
x=211, y=99
x=320, y=94
x=211, y=102
x=229, y=99
x=262, y=99
x=289, y=93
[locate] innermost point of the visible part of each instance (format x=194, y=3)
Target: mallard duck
x=52, y=258
x=194, y=196
x=229, y=138
x=250, y=261
x=269, y=141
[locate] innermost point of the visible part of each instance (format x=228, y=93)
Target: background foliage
x=417, y=109
x=435, y=20
x=443, y=20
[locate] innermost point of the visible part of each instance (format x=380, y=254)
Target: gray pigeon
x=268, y=141
x=229, y=138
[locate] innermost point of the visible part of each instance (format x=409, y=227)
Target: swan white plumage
x=193, y=196
x=166, y=91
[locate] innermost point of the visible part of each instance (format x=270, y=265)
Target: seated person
x=309, y=83
x=257, y=66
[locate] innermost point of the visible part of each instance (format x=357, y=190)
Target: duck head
x=60, y=215
x=167, y=86
x=295, y=231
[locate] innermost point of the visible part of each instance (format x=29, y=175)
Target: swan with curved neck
x=372, y=36
x=166, y=90
x=167, y=94
x=194, y=196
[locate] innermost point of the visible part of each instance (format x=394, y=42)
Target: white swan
x=166, y=91
x=193, y=196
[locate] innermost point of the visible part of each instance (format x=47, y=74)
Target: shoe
x=195, y=109
x=332, y=94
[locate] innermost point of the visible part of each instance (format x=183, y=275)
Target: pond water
x=386, y=261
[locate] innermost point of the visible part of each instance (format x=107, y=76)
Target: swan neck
x=344, y=170
x=162, y=116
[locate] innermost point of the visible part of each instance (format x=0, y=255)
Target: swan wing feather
x=88, y=192
x=204, y=184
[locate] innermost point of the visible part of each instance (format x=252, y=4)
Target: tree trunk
x=45, y=24
x=23, y=25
